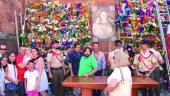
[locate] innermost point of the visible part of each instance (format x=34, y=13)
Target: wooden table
x=140, y=82
x=99, y=82
x=86, y=83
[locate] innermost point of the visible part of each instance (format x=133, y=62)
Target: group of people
x=146, y=62
x=24, y=73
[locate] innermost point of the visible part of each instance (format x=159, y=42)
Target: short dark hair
x=118, y=43
x=86, y=49
x=95, y=43
x=30, y=61
x=145, y=41
x=77, y=43
x=54, y=41
x=152, y=44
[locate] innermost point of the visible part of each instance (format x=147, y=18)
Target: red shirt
x=21, y=71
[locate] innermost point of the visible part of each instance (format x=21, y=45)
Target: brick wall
x=7, y=25
x=7, y=8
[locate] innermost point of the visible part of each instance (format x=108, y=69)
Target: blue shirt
x=101, y=62
x=74, y=59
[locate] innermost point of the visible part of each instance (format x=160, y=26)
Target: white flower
x=55, y=28
x=70, y=40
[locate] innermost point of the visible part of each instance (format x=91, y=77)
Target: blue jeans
x=10, y=92
x=21, y=89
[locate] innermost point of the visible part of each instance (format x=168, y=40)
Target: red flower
x=140, y=58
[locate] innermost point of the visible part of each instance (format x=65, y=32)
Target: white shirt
x=12, y=72
x=145, y=61
x=31, y=79
x=124, y=84
x=157, y=55
x=116, y=74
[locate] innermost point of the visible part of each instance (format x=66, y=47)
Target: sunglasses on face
x=3, y=48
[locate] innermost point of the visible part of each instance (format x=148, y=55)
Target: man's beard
x=87, y=55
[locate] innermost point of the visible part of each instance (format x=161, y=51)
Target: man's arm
x=103, y=63
x=49, y=69
x=70, y=62
x=63, y=64
x=19, y=63
x=70, y=68
x=49, y=64
x=160, y=59
x=91, y=73
x=25, y=83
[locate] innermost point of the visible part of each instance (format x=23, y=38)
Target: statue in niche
x=103, y=28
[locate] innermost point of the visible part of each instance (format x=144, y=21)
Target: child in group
x=27, y=56
x=31, y=79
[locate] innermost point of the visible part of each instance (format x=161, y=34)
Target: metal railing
x=162, y=33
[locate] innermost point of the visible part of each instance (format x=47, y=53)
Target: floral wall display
x=137, y=20
x=46, y=21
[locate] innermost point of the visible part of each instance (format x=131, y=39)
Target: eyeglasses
x=3, y=48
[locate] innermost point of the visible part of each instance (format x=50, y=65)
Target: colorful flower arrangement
x=137, y=20
x=46, y=21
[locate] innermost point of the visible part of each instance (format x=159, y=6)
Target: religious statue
x=103, y=28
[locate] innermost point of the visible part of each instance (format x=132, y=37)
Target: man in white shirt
x=158, y=67
x=118, y=46
x=145, y=64
x=157, y=54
